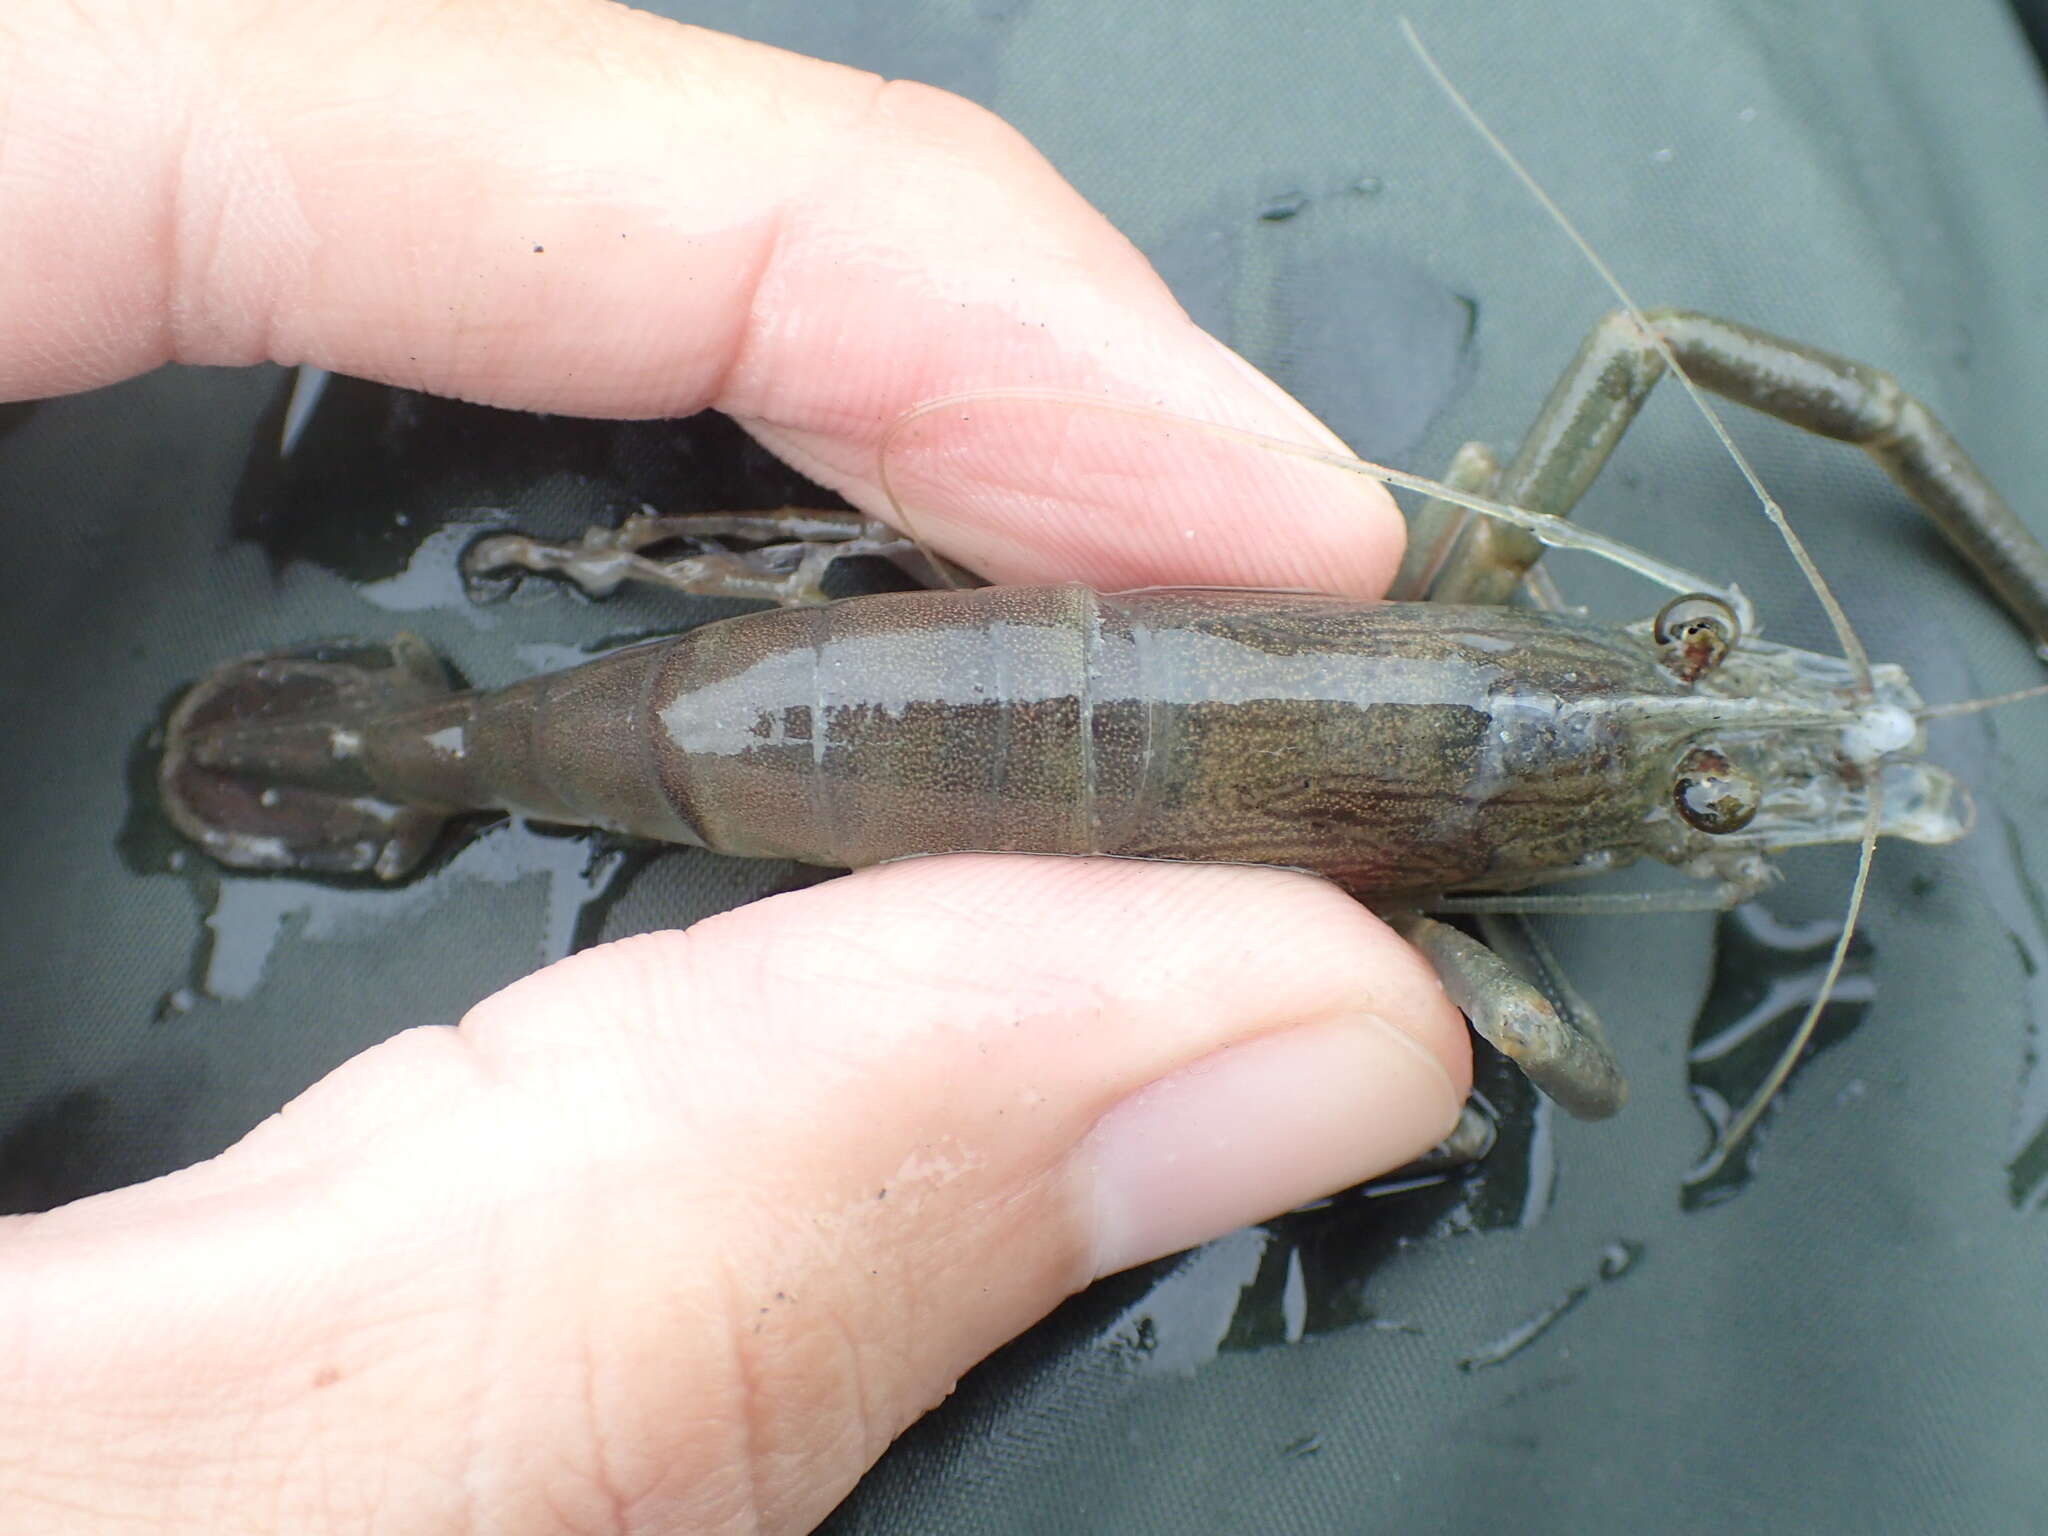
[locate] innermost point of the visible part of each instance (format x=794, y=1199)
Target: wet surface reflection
x=1767, y=974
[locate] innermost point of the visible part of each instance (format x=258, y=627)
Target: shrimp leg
x=792, y=550
x=1616, y=368
x=1561, y=1049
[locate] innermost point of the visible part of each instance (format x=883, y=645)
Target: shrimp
x=1439, y=754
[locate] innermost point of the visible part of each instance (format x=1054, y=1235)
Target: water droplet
x=1617, y=1259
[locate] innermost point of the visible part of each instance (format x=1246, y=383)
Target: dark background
x=1849, y=1337
x=2033, y=19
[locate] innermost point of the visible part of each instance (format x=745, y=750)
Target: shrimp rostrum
x=1430, y=756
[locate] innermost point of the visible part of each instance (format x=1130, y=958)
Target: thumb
x=681, y=1232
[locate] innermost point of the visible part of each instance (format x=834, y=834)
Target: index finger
x=572, y=207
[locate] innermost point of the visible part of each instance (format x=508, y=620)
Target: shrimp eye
x=1695, y=632
x=1711, y=796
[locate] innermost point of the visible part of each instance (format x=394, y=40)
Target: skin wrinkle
x=587, y=36
x=482, y=1469
x=812, y=1345
x=128, y=34
x=102, y=1517
x=1011, y=1208
x=713, y=357
x=906, y=1298
x=683, y=1444
x=748, y=1412
x=742, y=342
x=602, y=1473
x=819, y=1253
x=307, y=1464
x=668, y=966
x=911, y=1301
x=188, y=222
x=853, y=1384
x=1087, y=350
x=724, y=389
x=194, y=202
x=628, y=1433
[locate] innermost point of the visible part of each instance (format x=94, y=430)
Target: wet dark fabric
x=2033, y=19
x=1849, y=1335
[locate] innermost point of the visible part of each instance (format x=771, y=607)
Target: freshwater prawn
x=1438, y=754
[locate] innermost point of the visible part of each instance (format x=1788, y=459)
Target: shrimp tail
x=229, y=737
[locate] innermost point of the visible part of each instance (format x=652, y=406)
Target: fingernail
x=1257, y=1129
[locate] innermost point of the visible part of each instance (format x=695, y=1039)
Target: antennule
x=1978, y=706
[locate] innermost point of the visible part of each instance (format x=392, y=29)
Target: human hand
x=678, y=1233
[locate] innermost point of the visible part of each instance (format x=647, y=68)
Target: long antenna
x=1974, y=706
x=1557, y=532
x=1852, y=647
x=1735, y=1130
